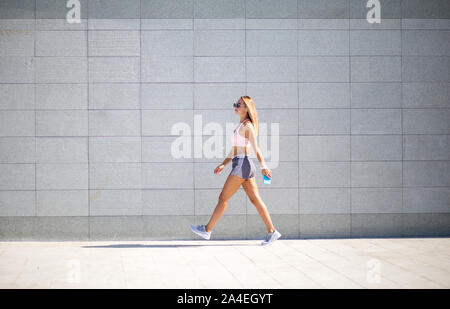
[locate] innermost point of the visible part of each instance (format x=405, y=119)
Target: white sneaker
x=201, y=231
x=271, y=238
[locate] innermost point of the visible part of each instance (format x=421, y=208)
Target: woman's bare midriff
x=241, y=150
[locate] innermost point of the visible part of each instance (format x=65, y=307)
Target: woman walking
x=242, y=172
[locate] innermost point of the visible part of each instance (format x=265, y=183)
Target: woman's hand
x=267, y=172
x=219, y=169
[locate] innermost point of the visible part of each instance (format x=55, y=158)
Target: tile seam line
x=295, y=266
x=299, y=96
x=259, y=267
x=35, y=114
x=350, y=117
x=327, y=266
x=246, y=93
x=140, y=108
x=406, y=270
x=223, y=109
x=193, y=83
x=293, y=135
x=218, y=188
x=371, y=241
x=229, y=271
x=89, y=236
x=342, y=256
x=401, y=122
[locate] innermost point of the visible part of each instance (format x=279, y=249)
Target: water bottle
x=267, y=180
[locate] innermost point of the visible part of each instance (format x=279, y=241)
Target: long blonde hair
x=252, y=113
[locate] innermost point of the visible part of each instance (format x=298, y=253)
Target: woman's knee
x=255, y=200
x=223, y=199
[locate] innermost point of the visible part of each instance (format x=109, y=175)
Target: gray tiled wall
x=86, y=111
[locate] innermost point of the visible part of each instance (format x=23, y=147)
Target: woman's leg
x=251, y=188
x=230, y=187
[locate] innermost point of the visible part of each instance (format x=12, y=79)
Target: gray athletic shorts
x=243, y=167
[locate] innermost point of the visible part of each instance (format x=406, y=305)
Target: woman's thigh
x=230, y=187
x=251, y=189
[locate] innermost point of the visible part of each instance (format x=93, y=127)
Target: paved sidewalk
x=289, y=263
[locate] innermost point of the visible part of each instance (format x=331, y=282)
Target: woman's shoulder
x=248, y=123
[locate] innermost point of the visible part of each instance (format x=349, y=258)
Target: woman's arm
x=228, y=157
x=251, y=134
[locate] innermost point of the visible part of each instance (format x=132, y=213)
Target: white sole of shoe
x=199, y=234
x=277, y=236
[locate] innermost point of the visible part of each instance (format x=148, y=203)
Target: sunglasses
x=237, y=105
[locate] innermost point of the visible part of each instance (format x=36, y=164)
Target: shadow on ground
x=121, y=246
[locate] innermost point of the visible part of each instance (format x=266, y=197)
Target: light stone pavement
x=288, y=263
